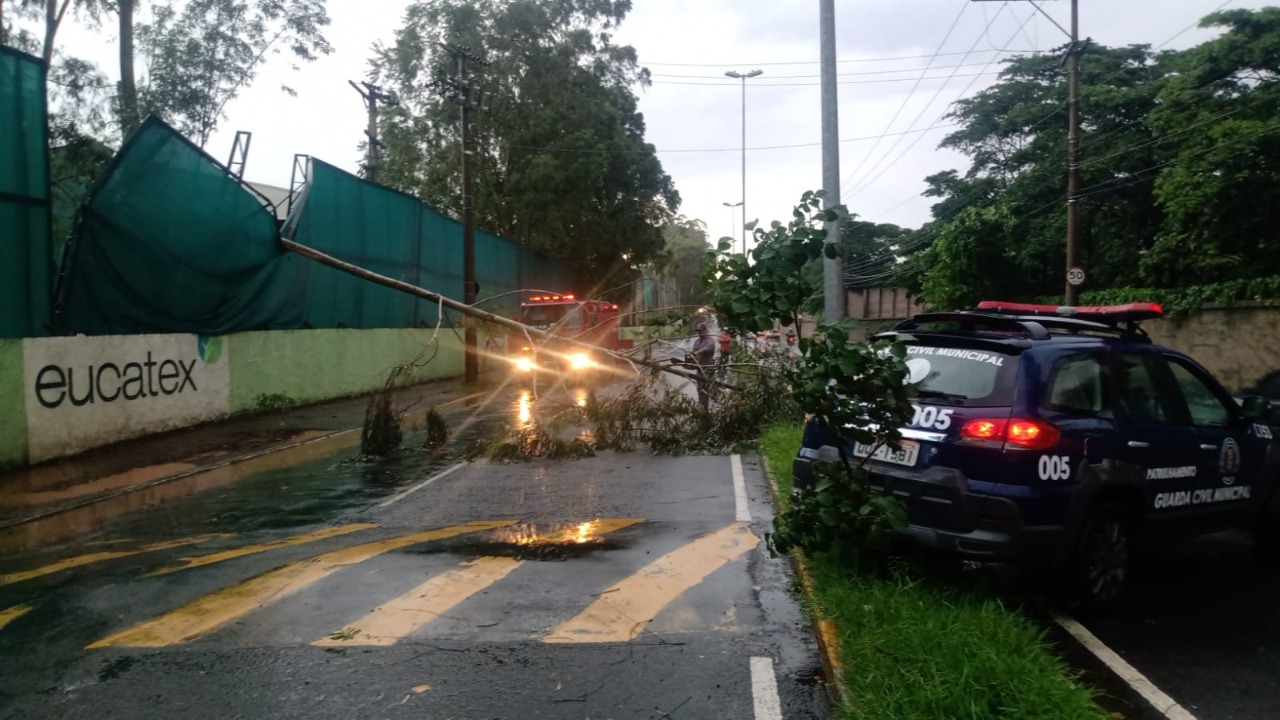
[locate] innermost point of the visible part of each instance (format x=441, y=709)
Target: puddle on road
x=537, y=541
x=314, y=481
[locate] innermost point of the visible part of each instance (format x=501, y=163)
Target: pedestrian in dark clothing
x=704, y=354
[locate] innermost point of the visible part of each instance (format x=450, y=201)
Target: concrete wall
x=13, y=405
x=311, y=365
x=1240, y=344
x=60, y=396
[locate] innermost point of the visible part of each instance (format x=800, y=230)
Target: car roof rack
x=969, y=322
x=1025, y=327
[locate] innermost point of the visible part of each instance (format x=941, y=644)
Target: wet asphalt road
x=1202, y=622
x=620, y=586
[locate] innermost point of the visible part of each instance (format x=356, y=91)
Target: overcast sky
x=694, y=120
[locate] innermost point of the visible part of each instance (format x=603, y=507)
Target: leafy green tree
x=561, y=164
x=1219, y=112
x=684, y=258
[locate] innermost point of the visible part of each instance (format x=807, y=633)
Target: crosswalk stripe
x=396, y=619
x=82, y=560
x=190, y=562
x=435, y=597
x=203, y=616
x=624, y=611
x=8, y=615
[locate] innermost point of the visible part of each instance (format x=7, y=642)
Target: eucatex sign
x=109, y=382
x=84, y=392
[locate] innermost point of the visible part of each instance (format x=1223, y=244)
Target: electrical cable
x=911, y=93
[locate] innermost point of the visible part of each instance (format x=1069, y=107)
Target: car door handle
x=1138, y=444
x=1206, y=446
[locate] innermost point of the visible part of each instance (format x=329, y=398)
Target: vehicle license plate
x=907, y=455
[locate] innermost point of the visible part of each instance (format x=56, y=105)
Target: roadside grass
x=912, y=646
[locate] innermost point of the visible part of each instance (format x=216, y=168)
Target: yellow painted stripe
x=190, y=562
x=91, y=558
x=388, y=623
x=435, y=597
x=624, y=611
x=214, y=610
x=8, y=615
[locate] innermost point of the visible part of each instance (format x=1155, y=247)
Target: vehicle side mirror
x=1254, y=407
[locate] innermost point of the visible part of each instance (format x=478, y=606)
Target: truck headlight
x=578, y=361
x=524, y=364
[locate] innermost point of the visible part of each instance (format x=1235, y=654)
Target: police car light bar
x=1102, y=313
x=551, y=298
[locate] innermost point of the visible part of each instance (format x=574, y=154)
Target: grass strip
x=912, y=647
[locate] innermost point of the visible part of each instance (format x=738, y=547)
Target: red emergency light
x=1129, y=312
x=551, y=298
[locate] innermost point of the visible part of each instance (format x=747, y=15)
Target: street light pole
x=743, y=77
x=731, y=206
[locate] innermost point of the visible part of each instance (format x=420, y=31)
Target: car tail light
x=1015, y=433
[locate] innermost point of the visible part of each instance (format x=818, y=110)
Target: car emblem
x=1229, y=460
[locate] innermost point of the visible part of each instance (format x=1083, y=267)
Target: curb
x=824, y=631
x=411, y=420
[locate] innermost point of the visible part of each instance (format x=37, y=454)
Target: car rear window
x=963, y=375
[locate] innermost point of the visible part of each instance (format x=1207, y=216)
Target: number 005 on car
x=884, y=453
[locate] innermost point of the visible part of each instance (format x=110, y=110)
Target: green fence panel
x=26, y=260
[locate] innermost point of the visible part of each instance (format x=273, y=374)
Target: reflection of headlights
x=524, y=364
x=577, y=361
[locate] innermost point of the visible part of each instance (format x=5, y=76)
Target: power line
x=716, y=150
x=866, y=183
x=911, y=93
x=848, y=74
x=816, y=62
x=815, y=84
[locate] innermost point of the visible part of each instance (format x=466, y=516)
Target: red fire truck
x=594, y=322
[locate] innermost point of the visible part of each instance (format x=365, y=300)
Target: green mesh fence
x=25, y=257
x=169, y=242
x=396, y=235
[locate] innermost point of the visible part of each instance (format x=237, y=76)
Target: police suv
x=1057, y=438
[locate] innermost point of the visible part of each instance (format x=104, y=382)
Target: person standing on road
x=704, y=354
x=726, y=344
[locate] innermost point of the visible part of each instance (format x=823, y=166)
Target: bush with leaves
x=853, y=389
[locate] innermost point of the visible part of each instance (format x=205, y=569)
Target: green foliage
x=560, y=160
x=437, y=431
x=751, y=295
x=201, y=54
x=684, y=259
x=974, y=257
x=923, y=649
x=268, y=402
x=855, y=390
x=1180, y=301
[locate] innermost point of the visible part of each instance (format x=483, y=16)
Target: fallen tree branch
x=452, y=304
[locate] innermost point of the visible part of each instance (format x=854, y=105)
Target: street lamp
x=731, y=206
x=743, y=77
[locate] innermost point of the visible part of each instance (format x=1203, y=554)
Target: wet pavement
x=1202, y=622
x=619, y=586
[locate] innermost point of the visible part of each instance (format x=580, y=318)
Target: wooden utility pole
x=1072, y=294
x=372, y=95
x=1074, y=49
x=459, y=90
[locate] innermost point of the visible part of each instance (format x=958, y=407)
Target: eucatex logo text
x=109, y=382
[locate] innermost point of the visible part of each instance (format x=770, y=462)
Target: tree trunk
x=52, y=21
x=129, y=119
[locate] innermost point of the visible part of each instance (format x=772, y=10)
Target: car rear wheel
x=1103, y=559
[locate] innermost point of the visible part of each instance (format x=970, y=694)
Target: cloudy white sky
x=694, y=113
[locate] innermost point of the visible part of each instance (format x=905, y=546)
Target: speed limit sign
x=1075, y=276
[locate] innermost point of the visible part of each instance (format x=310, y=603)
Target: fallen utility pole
x=472, y=311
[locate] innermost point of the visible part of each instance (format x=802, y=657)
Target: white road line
x=1163, y=704
x=420, y=485
x=764, y=689
x=739, y=490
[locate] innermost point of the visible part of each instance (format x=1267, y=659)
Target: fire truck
x=594, y=322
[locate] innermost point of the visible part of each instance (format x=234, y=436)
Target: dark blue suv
x=1056, y=438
